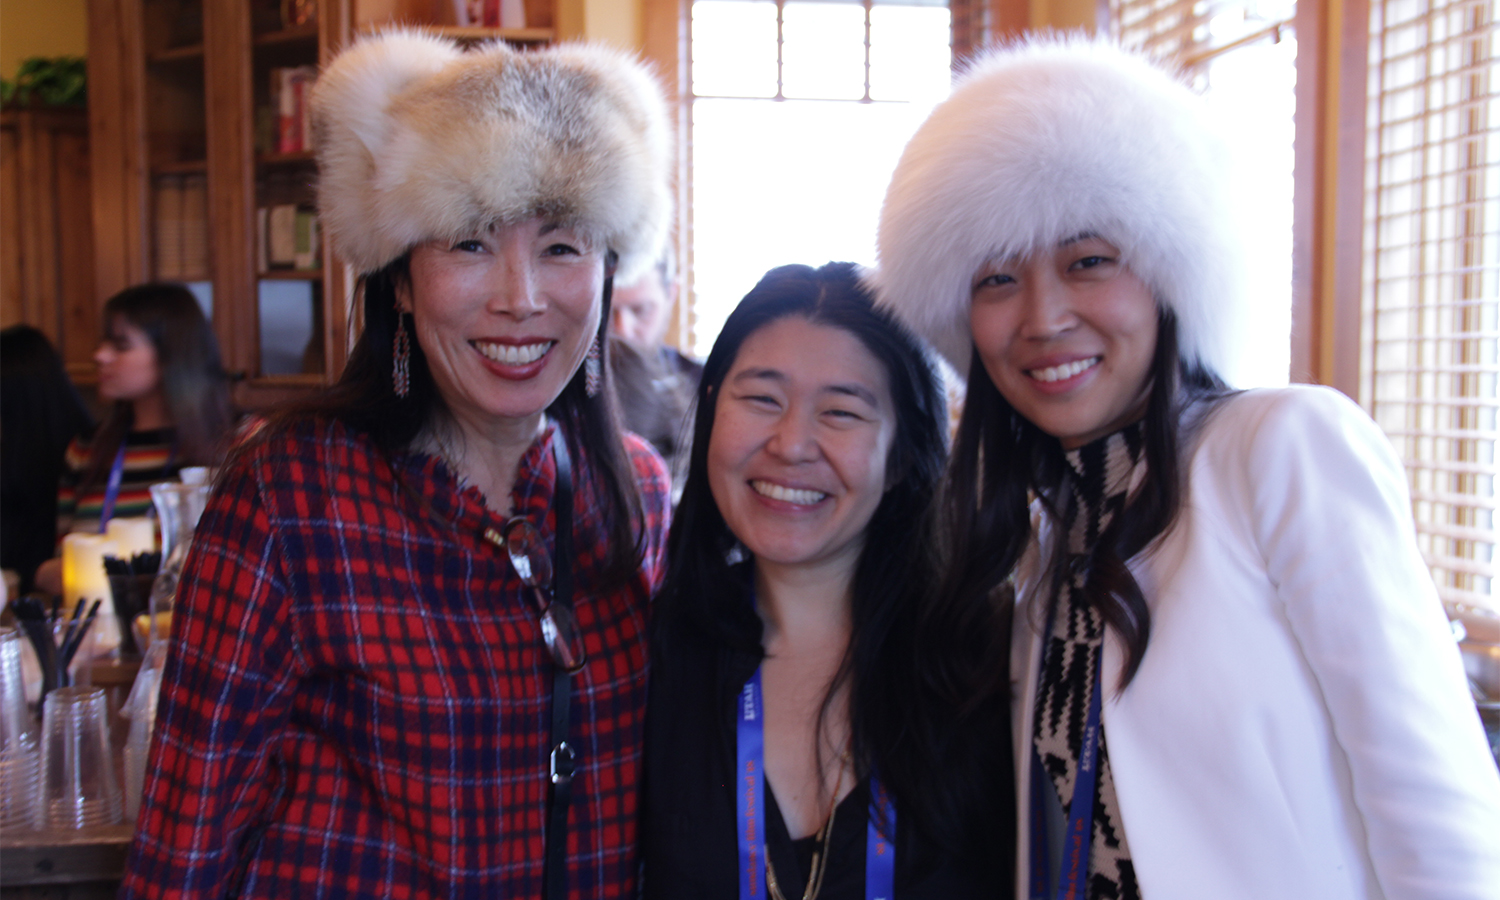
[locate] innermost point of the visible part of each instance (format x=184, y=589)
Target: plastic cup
x=18, y=756
x=79, y=786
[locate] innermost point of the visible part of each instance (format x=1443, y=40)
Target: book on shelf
x=490, y=13
x=181, y=227
x=195, y=228
x=291, y=89
x=289, y=237
x=305, y=240
x=168, y=201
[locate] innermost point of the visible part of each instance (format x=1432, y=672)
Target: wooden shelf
x=178, y=54
x=291, y=275
x=181, y=167
x=307, y=34
x=302, y=157
x=474, y=33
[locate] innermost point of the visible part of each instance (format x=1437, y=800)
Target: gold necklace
x=820, y=856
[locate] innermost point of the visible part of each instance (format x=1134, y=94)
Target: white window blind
x=1432, y=274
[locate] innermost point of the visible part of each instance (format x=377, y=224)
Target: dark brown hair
x=194, y=384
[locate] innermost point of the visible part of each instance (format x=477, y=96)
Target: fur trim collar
x=1048, y=139
x=418, y=140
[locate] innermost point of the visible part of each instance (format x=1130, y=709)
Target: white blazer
x=1300, y=725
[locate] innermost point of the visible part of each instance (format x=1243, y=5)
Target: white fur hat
x=1046, y=140
x=418, y=140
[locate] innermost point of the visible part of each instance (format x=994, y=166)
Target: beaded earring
x=593, y=375
x=401, y=357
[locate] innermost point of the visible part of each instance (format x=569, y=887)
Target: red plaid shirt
x=357, y=698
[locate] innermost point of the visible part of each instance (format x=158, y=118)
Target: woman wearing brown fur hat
x=376, y=686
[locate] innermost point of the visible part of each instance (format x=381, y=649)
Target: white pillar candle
x=84, y=579
x=132, y=536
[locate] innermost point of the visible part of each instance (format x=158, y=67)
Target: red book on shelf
x=286, y=110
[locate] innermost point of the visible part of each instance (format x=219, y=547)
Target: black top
x=688, y=804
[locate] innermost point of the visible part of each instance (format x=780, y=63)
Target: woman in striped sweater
x=169, y=407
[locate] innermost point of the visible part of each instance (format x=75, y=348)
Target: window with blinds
x=799, y=111
x=1242, y=56
x=1432, y=273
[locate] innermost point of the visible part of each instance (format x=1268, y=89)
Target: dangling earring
x=593, y=376
x=401, y=357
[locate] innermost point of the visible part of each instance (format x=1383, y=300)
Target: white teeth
x=512, y=355
x=786, y=494
x=1066, y=370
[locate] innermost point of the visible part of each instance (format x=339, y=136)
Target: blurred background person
x=41, y=413
x=655, y=382
x=169, y=396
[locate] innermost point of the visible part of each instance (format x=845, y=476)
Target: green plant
x=58, y=81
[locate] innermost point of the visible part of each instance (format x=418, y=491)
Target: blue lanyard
x=1073, y=873
x=750, y=821
x=112, y=489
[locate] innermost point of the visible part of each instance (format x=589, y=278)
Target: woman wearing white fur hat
x=1226, y=644
x=376, y=687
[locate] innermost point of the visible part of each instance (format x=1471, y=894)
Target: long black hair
x=364, y=400
x=895, y=724
x=194, y=385
x=1001, y=461
x=40, y=414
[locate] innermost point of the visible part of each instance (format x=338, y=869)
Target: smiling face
x=128, y=367
x=504, y=318
x=803, y=425
x=1067, y=336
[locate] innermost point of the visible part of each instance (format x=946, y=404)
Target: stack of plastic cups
x=79, y=786
x=18, y=752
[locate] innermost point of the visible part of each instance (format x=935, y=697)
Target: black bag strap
x=563, y=760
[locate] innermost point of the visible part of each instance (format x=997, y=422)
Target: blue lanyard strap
x=750, y=817
x=1073, y=873
x=112, y=489
x=880, y=852
x=750, y=821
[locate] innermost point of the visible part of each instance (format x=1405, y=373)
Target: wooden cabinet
x=47, y=252
x=182, y=110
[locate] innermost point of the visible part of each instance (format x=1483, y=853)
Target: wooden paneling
x=117, y=132
x=12, y=298
x=48, y=276
x=230, y=100
x=1328, y=205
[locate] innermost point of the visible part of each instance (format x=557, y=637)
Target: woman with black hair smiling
x=1233, y=675
x=789, y=736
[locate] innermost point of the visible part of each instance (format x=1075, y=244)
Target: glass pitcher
x=178, y=507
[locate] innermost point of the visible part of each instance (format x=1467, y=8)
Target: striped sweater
x=149, y=458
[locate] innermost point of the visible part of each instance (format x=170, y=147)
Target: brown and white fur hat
x=1048, y=139
x=418, y=140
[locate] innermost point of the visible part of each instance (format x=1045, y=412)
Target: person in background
x=1233, y=675
x=169, y=407
x=408, y=655
x=40, y=415
x=787, y=718
x=655, y=382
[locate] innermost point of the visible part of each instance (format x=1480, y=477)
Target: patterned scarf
x=1103, y=474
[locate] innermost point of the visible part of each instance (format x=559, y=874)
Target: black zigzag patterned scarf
x=1103, y=474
